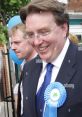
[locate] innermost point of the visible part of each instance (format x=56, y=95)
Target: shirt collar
x=61, y=56
x=44, y=65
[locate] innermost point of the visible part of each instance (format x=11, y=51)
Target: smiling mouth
x=43, y=49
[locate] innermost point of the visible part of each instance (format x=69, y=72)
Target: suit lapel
x=33, y=74
x=30, y=82
x=67, y=69
x=36, y=73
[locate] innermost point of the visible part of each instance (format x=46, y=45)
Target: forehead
x=17, y=36
x=35, y=20
x=18, y=33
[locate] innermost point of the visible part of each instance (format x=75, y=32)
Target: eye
x=30, y=34
x=44, y=32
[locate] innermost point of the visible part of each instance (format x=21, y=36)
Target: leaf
x=3, y=34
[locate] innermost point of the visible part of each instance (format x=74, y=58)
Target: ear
x=65, y=29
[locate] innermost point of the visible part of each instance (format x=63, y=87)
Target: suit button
x=69, y=61
x=40, y=110
x=26, y=73
x=26, y=98
x=69, y=110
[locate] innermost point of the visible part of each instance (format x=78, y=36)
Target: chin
x=20, y=57
x=45, y=58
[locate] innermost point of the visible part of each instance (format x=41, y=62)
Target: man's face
x=20, y=45
x=45, y=35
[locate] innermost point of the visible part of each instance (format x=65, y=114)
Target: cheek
x=52, y=40
x=31, y=44
x=24, y=45
x=54, y=44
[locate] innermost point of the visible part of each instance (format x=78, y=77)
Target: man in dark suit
x=47, y=29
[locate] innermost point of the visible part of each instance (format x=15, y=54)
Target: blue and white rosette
x=54, y=96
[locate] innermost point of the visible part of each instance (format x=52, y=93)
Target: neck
x=31, y=56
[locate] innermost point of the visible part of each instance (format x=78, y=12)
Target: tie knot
x=49, y=66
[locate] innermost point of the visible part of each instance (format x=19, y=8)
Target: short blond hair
x=13, y=30
x=73, y=38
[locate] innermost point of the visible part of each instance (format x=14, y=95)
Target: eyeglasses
x=40, y=34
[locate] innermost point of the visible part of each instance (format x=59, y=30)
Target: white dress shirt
x=57, y=64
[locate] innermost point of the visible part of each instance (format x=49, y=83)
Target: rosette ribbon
x=54, y=96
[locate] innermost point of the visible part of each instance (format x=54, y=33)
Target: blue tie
x=40, y=94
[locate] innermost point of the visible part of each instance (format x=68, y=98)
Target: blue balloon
x=14, y=57
x=14, y=21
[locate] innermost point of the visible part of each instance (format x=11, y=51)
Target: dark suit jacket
x=70, y=75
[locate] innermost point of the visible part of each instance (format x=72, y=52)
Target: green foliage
x=8, y=9
x=3, y=34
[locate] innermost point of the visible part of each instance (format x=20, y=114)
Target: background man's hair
x=14, y=29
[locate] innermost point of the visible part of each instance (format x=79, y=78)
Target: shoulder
x=79, y=53
x=74, y=54
x=33, y=63
x=75, y=49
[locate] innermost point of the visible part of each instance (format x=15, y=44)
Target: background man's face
x=20, y=45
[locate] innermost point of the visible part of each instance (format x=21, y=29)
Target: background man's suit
x=70, y=75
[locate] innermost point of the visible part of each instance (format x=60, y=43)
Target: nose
x=37, y=41
x=13, y=46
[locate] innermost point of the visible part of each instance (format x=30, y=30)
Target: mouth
x=43, y=49
x=17, y=53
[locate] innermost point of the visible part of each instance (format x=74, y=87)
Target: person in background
x=21, y=47
x=73, y=38
x=47, y=30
